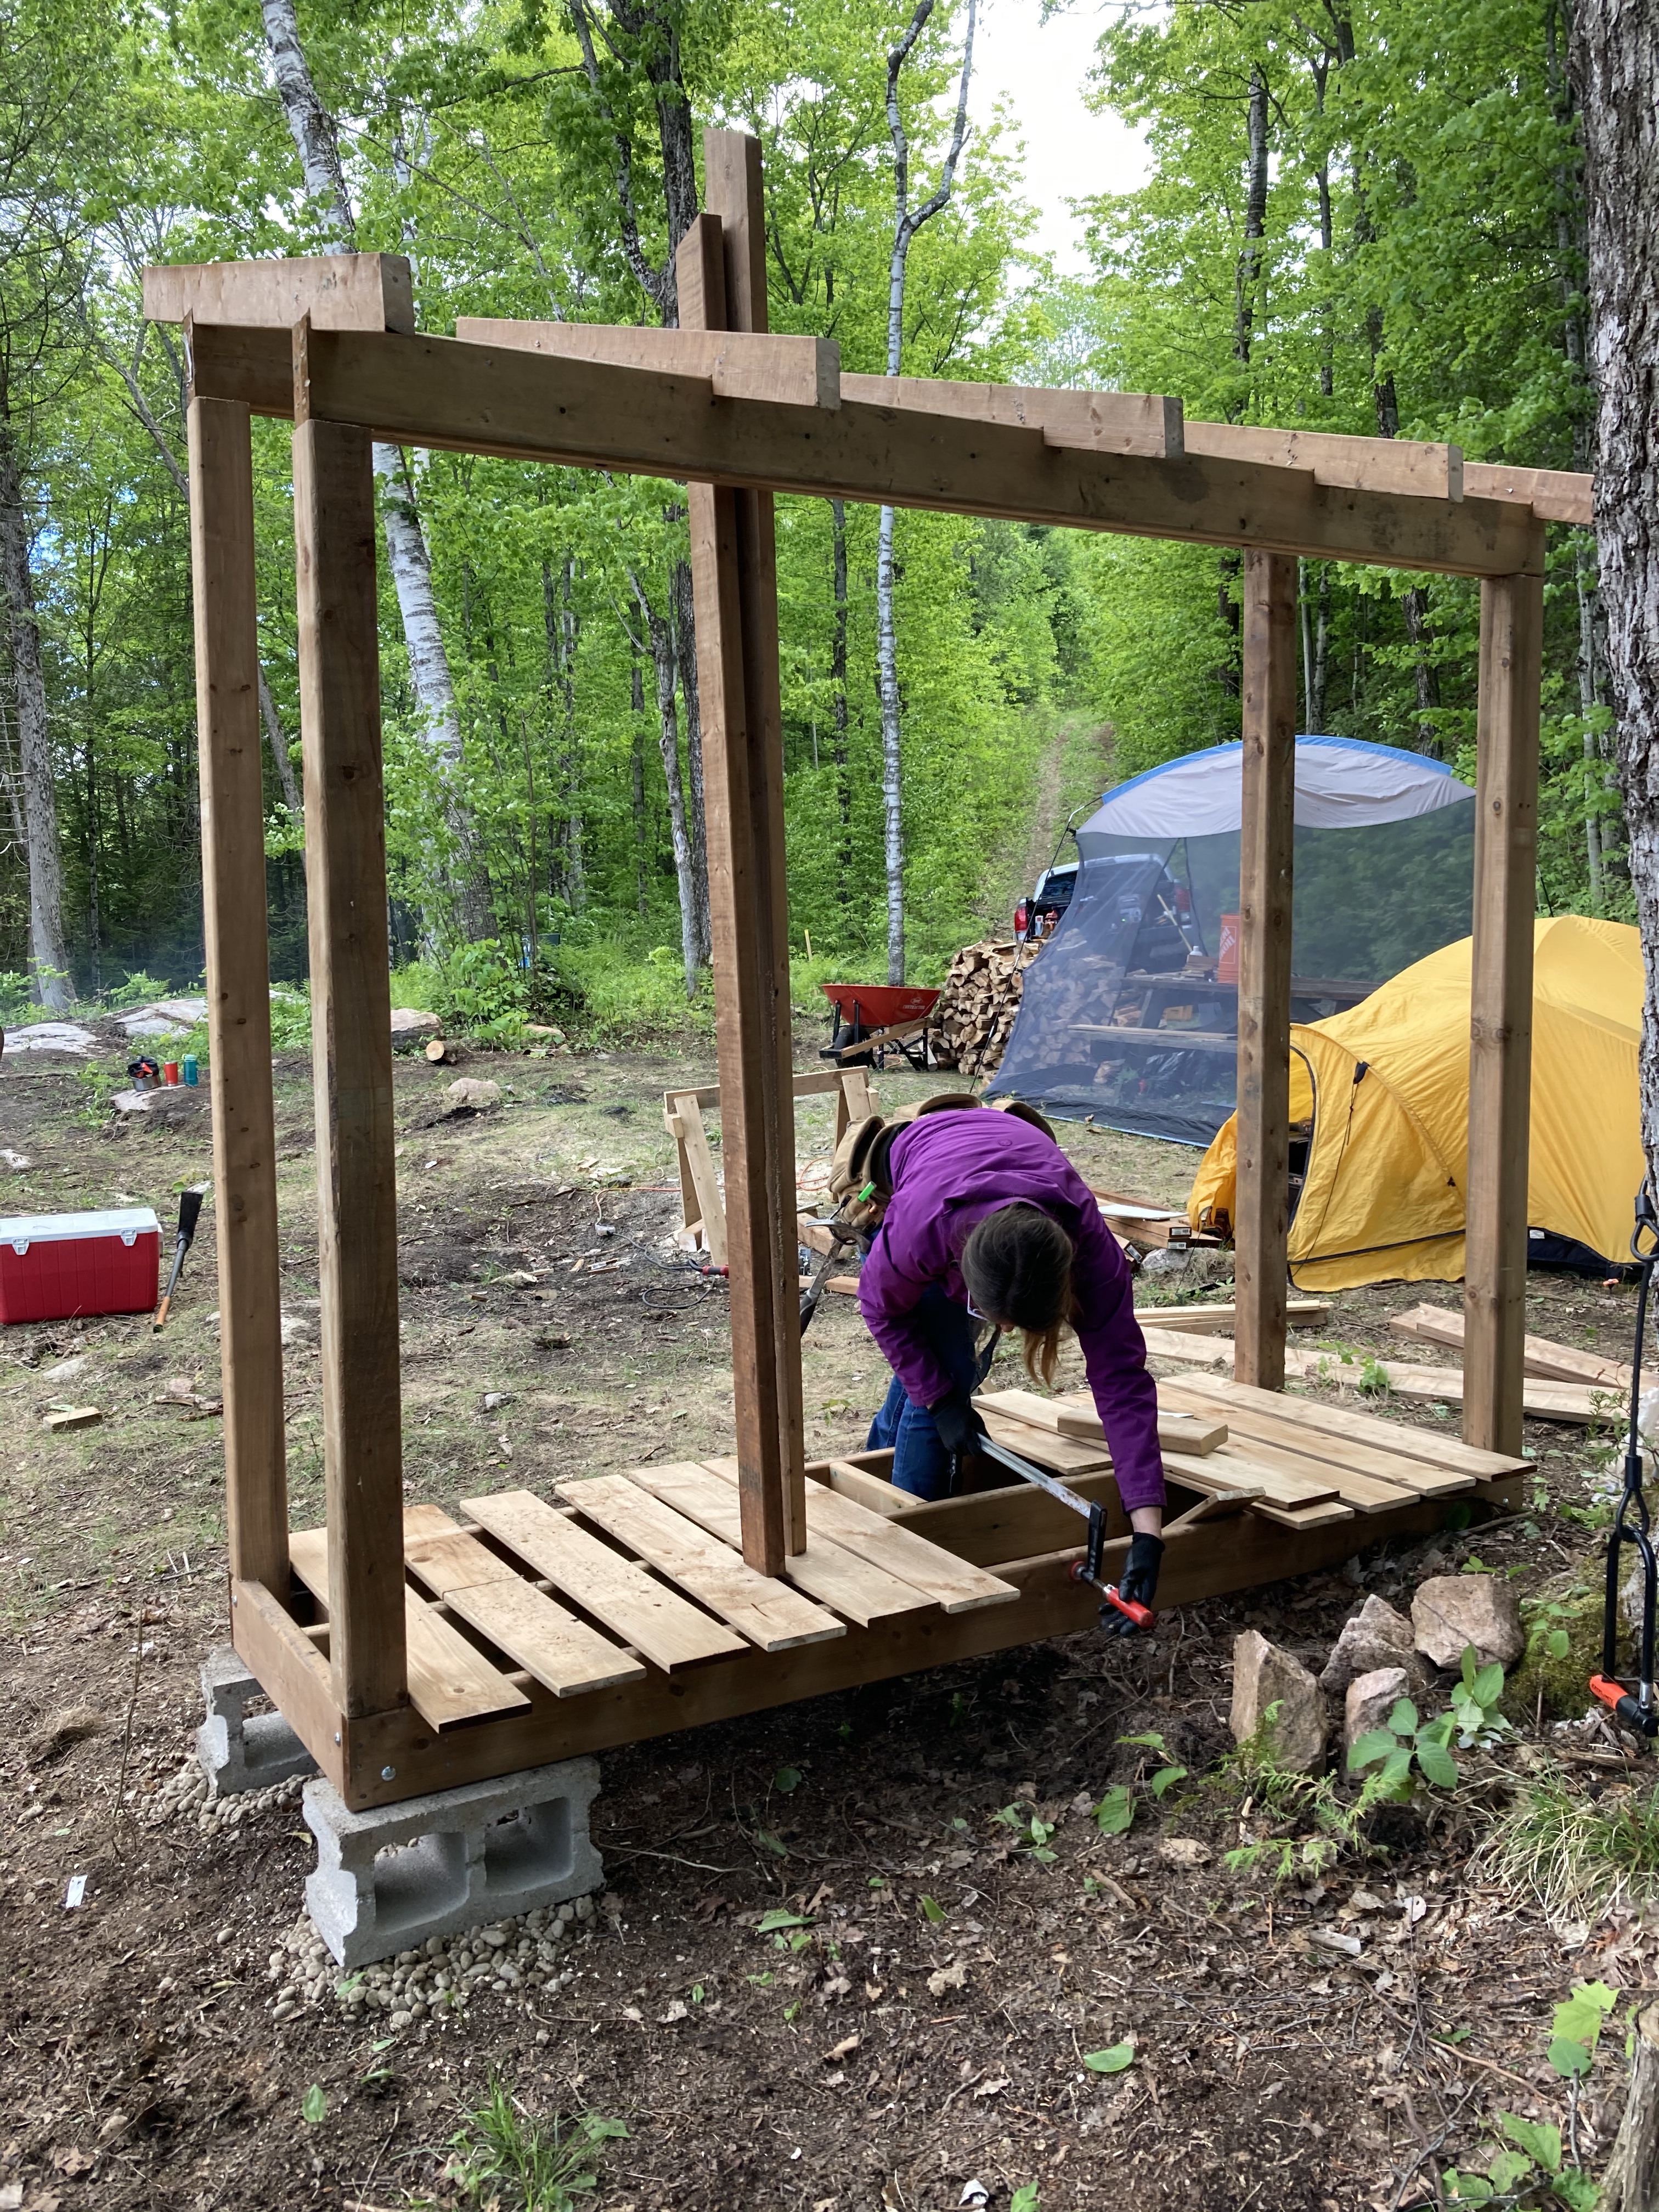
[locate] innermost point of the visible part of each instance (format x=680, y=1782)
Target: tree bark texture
x=1630, y=2183
x=660, y=633
x=838, y=679
x=48, y=953
x=907, y=222
x=685, y=649
x=1615, y=69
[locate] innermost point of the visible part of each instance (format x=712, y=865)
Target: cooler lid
x=126, y=1222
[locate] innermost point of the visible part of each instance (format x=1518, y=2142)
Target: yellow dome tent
x=1386, y=1088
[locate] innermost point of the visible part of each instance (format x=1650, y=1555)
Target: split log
x=976, y=1009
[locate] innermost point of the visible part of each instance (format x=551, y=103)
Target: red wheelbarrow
x=867, y=1018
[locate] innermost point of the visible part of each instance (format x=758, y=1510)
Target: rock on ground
x=52, y=1036
x=1453, y=1611
x=1370, y=1698
x=408, y=1023
x=1264, y=1676
x=1376, y=1636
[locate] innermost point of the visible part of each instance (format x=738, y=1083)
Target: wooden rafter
x=444, y=393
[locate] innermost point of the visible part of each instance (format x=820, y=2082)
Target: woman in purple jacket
x=986, y=1220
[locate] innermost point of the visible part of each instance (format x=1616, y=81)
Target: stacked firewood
x=976, y=1007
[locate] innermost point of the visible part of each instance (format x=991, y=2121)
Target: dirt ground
x=927, y=2022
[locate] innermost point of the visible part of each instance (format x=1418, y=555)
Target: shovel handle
x=160, y=1313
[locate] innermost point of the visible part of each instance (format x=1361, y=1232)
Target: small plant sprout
x=1406, y=1747
x=1025, y=2198
x=1115, y=1812
x=1474, y=1703
x=314, y=2106
x=932, y=1910
x=1167, y=1774
x=1033, y=1833
x=1112, y=2061
x=501, y=2157
x=1534, y=2162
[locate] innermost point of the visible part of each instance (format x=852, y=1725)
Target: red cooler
x=55, y=1266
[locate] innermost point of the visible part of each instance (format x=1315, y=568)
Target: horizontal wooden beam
x=338, y=291
x=1079, y=421
x=1396, y=464
x=1553, y=495
x=795, y=372
x=444, y=393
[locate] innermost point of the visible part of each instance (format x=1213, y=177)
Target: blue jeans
x=921, y=1463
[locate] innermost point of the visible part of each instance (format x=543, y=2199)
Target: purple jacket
x=949, y=1170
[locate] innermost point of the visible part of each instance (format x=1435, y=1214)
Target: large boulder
x=410, y=1025
x=1451, y=1611
x=1370, y=1700
x=1263, y=1677
x=1376, y=1636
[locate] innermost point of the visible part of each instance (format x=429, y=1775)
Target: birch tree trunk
x=906, y=222
x=838, y=679
x=1615, y=68
x=48, y=953
x=317, y=141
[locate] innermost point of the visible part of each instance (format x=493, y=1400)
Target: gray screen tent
x=1130, y=1015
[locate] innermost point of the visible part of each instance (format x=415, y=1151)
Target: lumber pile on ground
x=1547, y=1361
x=1573, y=1402
x=1288, y=1460
x=975, y=1015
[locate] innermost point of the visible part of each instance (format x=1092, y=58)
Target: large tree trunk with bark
x=1615, y=66
x=48, y=953
x=317, y=141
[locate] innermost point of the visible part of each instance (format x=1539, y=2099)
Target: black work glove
x=1138, y=1581
x=960, y=1426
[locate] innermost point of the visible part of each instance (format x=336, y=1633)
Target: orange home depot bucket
x=1227, y=958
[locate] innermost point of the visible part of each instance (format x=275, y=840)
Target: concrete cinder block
x=238, y=1751
x=388, y=1879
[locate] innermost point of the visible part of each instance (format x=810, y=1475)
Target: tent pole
x=1500, y=1010
x=1266, y=828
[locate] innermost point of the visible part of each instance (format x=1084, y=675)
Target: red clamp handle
x=1609, y=1692
x=1142, y=1615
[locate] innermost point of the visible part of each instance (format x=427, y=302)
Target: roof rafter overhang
x=449, y=394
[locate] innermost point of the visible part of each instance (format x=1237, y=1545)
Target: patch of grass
x=1578, y=1855
x=502, y=2158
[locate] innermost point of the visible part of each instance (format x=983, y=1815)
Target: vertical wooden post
x=720, y=270
x=1500, y=1010
x=239, y=988
x=351, y=1047
x=1261, y=1224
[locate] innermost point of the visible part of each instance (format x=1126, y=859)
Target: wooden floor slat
x=848, y=1586
x=449, y=1681
x=564, y=1654
x=952, y=1584
x=1062, y=1455
x=1339, y=1422
x=770, y=1614
x=618, y=1591
x=1316, y=1450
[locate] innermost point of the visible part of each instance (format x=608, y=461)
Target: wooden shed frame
x=740, y=415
